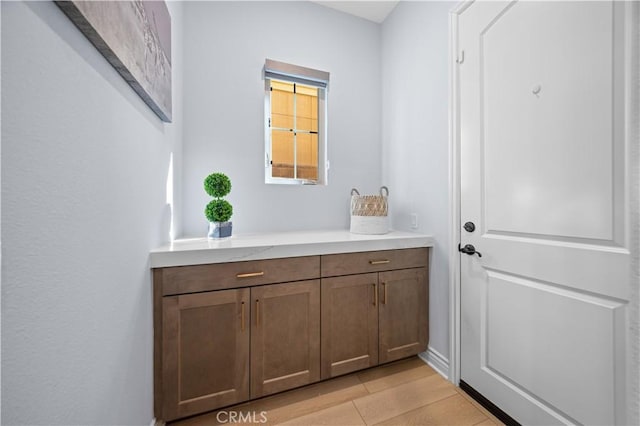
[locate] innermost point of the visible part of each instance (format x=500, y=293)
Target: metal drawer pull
x=250, y=274
x=242, y=318
x=257, y=312
x=379, y=262
x=384, y=290
x=375, y=294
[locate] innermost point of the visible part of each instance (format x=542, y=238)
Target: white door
x=542, y=160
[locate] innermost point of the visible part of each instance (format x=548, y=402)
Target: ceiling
x=375, y=11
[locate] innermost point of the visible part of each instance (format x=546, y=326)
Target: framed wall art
x=135, y=37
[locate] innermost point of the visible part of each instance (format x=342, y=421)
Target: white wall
x=415, y=137
x=84, y=169
x=226, y=44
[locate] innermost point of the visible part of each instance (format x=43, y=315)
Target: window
x=295, y=124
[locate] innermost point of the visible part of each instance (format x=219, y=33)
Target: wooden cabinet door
x=403, y=313
x=205, y=351
x=285, y=336
x=349, y=324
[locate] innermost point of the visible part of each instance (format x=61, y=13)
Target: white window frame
x=280, y=71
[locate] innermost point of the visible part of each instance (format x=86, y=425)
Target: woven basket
x=369, y=213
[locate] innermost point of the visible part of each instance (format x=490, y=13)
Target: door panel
x=403, y=315
x=285, y=336
x=575, y=350
x=547, y=107
x=349, y=324
x=542, y=157
x=205, y=351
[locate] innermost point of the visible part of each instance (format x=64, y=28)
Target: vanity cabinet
x=375, y=310
x=225, y=333
x=216, y=346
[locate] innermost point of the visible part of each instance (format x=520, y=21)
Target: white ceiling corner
x=375, y=11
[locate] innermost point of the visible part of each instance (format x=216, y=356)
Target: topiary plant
x=218, y=210
x=217, y=185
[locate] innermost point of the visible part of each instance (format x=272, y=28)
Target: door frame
x=632, y=176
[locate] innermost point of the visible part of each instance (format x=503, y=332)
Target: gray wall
x=226, y=44
x=415, y=40
x=84, y=173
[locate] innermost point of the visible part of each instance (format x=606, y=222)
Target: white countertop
x=197, y=251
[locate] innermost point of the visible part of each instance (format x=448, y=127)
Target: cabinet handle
x=242, y=318
x=375, y=294
x=257, y=312
x=379, y=262
x=250, y=274
x=384, y=290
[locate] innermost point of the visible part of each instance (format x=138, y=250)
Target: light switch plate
x=414, y=220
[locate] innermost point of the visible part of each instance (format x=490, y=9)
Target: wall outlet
x=414, y=220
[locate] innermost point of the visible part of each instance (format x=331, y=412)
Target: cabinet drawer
x=373, y=261
x=219, y=276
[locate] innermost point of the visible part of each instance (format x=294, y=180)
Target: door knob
x=469, y=227
x=469, y=249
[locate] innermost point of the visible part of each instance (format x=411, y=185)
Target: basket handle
x=386, y=191
x=354, y=192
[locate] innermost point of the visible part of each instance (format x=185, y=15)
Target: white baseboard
x=156, y=422
x=436, y=361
